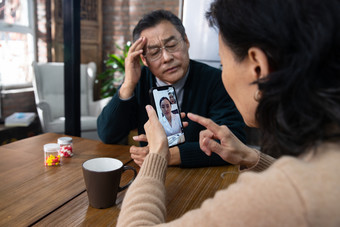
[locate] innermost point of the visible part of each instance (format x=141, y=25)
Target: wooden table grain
x=29, y=191
x=186, y=190
x=34, y=195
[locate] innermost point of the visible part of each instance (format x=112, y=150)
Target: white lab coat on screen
x=175, y=122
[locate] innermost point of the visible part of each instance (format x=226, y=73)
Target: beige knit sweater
x=292, y=192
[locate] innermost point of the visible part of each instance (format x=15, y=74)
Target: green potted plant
x=114, y=74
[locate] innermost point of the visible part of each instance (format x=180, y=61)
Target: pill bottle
x=66, y=146
x=51, y=154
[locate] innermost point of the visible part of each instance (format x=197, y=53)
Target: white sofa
x=48, y=84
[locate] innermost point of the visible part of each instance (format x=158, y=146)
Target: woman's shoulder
x=314, y=173
x=322, y=158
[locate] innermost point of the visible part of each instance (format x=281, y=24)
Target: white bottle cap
x=64, y=140
x=51, y=147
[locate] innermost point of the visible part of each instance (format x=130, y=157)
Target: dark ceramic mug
x=102, y=179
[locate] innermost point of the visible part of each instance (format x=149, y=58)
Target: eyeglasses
x=155, y=53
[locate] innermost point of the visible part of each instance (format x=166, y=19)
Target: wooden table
x=32, y=194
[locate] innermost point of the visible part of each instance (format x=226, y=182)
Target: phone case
x=164, y=101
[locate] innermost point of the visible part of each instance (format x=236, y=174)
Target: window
x=17, y=40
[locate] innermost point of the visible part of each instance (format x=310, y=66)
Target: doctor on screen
x=171, y=122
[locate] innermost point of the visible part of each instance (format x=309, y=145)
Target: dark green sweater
x=204, y=94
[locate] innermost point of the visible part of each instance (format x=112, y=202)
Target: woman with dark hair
x=281, y=66
x=171, y=122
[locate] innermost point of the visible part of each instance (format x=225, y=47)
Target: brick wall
x=43, y=30
x=120, y=17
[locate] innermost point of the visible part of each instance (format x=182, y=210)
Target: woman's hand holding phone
x=138, y=154
x=164, y=101
x=155, y=133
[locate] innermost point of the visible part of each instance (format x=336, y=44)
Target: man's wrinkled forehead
x=160, y=33
x=154, y=43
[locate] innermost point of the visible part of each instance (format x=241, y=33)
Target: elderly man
x=162, y=45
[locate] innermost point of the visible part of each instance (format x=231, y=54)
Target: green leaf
x=114, y=63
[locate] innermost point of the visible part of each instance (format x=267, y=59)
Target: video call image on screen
x=169, y=115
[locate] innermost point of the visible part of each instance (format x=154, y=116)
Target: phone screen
x=164, y=100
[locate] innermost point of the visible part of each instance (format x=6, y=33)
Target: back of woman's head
x=300, y=102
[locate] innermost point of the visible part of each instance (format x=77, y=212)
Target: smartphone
x=164, y=101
